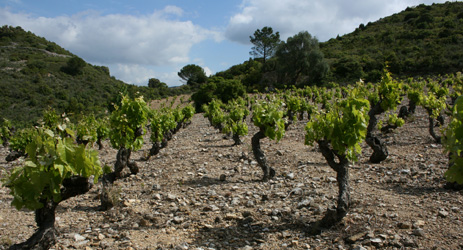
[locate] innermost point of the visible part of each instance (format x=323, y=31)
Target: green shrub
x=218, y=88
x=74, y=66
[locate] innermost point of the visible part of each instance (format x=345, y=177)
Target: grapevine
x=393, y=121
x=434, y=103
x=214, y=113
x=59, y=124
x=456, y=82
x=55, y=169
x=339, y=133
x=384, y=96
x=162, y=123
x=51, y=121
x=5, y=132
x=127, y=123
x=188, y=113
x=453, y=143
x=19, y=142
x=86, y=130
x=235, y=119
x=102, y=131
x=414, y=94
x=179, y=118
x=268, y=117
x=294, y=104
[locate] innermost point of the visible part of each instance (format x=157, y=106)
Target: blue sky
x=141, y=39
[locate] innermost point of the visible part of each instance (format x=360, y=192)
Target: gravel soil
x=201, y=192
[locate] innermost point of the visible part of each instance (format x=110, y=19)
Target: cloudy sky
x=142, y=39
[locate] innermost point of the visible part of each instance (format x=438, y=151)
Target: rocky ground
x=203, y=193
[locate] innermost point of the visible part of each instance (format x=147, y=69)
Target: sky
x=143, y=39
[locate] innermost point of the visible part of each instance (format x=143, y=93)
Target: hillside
x=36, y=74
x=421, y=40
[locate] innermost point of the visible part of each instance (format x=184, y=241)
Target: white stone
x=78, y=237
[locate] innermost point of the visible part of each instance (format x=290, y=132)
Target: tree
x=348, y=68
x=217, y=87
x=161, y=87
x=228, y=90
x=103, y=69
x=156, y=84
x=193, y=75
x=265, y=43
x=300, y=55
x=74, y=66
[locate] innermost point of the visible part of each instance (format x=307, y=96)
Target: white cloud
x=140, y=74
x=208, y=71
x=153, y=39
x=133, y=73
x=170, y=9
x=322, y=18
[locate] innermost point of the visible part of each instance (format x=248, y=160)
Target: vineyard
x=286, y=170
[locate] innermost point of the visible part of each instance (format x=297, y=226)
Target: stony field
x=203, y=193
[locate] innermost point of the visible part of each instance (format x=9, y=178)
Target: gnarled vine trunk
x=178, y=127
x=237, y=140
x=100, y=143
x=154, y=150
x=436, y=137
x=388, y=128
x=380, y=152
x=13, y=155
x=82, y=141
x=341, y=166
x=440, y=121
x=122, y=160
x=45, y=236
x=411, y=107
x=106, y=197
x=5, y=140
x=290, y=119
x=167, y=137
x=260, y=156
x=403, y=112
